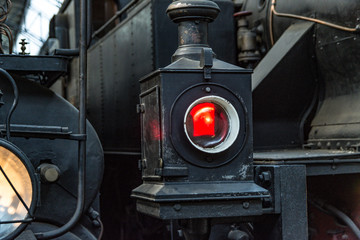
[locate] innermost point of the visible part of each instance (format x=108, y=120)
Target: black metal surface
x=289, y=193
x=26, y=235
x=203, y=209
x=46, y=69
x=336, y=52
x=79, y=232
x=115, y=17
x=284, y=86
x=67, y=52
x=196, y=229
x=113, y=87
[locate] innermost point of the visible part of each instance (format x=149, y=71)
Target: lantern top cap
x=185, y=10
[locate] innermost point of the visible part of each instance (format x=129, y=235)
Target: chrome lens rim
x=233, y=118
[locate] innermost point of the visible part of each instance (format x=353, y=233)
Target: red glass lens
x=207, y=124
x=203, y=119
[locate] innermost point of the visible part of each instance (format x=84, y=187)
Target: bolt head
x=177, y=207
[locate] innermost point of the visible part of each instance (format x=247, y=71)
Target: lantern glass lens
x=11, y=208
x=207, y=124
x=211, y=124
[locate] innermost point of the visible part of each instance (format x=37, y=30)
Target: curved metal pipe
x=288, y=15
x=331, y=210
x=339, y=214
x=5, y=74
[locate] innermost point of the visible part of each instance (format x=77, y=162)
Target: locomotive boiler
x=242, y=122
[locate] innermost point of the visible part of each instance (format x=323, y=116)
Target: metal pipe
x=324, y=161
x=339, y=214
x=88, y=22
x=287, y=15
x=113, y=18
x=5, y=74
x=82, y=131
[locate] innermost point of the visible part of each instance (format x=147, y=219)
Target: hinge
x=140, y=108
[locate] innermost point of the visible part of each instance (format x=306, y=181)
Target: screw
x=246, y=205
x=96, y=223
x=208, y=89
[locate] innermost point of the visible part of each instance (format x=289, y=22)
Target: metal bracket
x=78, y=137
x=206, y=62
x=37, y=131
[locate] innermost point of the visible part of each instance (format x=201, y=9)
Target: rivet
x=246, y=205
x=177, y=207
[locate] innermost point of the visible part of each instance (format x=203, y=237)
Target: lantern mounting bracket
x=206, y=62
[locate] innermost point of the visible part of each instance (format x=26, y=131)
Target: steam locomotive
x=246, y=130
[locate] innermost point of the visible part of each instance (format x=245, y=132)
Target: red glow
x=203, y=116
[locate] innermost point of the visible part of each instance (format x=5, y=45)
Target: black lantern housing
x=194, y=165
